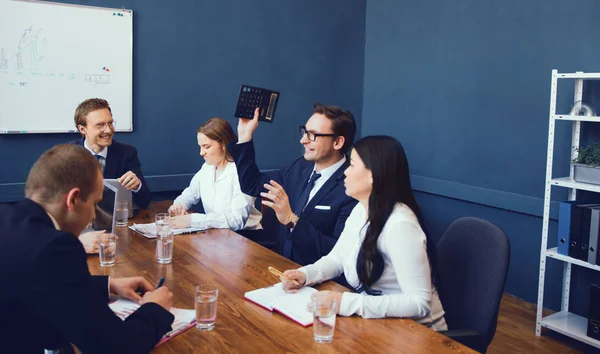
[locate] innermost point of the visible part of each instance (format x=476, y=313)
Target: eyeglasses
x=102, y=126
x=311, y=135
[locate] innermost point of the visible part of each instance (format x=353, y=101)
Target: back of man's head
x=342, y=123
x=59, y=170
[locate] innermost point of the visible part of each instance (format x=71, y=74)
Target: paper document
x=149, y=230
x=184, y=319
x=293, y=306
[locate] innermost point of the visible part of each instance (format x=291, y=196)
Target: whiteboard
x=54, y=56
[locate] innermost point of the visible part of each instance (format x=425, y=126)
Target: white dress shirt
x=325, y=174
x=102, y=161
x=405, y=284
x=225, y=205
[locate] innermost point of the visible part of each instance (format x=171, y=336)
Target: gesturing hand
x=278, y=200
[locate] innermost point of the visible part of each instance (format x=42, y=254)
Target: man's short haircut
x=61, y=169
x=343, y=123
x=88, y=106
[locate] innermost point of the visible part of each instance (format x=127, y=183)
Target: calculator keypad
x=252, y=97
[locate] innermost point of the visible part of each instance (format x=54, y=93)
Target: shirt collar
x=229, y=169
x=102, y=153
x=56, y=226
x=329, y=171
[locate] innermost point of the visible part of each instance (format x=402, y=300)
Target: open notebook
x=184, y=319
x=149, y=230
x=294, y=306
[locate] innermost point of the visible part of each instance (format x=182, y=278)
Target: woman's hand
x=181, y=222
x=176, y=209
x=292, y=274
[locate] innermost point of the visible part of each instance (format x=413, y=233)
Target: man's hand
x=90, y=241
x=130, y=181
x=130, y=287
x=176, y=209
x=246, y=128
x=279, y=201
x=181, y=222
x=161, y=296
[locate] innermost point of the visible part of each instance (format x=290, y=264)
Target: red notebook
x=294, y=306
x=184, y=319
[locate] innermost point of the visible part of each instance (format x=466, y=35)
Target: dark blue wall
x=190, y=58
x=465, y=86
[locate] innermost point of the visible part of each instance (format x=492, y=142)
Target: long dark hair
x=384, y=156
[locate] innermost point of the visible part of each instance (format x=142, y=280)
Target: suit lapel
x=331, y=183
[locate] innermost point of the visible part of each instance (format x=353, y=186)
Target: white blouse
x=225, y=205
x=405, y=284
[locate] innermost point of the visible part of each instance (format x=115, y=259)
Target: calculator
x=252, y=97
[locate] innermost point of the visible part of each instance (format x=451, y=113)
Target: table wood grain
x=238, y=265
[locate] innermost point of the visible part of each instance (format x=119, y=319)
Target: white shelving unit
x=564, y=321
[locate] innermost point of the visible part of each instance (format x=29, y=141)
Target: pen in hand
x=280, y=274
x=160, y=282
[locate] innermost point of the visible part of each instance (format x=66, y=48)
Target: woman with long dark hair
x=383, y=251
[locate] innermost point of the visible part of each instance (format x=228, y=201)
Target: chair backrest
x=473, y=257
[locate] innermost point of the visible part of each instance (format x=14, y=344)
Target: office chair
x=473, y=257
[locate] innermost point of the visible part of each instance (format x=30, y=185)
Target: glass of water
x=164, y=248
x=324, y=311
x=206, y=306
x=122, y=213
x=163, y=226
x=107, y=249
x=164, y=238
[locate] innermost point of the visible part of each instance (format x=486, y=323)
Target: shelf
x=588, y=76
x=552, y=253
x=570, y=325
x=577, y=118
x=568, y=182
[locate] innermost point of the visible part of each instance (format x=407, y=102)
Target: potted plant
x=587, y=164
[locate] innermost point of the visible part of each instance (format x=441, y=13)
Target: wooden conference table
x=238, y=265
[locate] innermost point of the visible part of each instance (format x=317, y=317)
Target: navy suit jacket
x=317, y=230
x=120, y=159
x=49, y=298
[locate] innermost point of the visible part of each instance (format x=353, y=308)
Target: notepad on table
x=149, y=230
x=294, y=306
x=184, y=319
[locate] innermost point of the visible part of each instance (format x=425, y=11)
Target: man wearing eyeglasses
x=308, y=196
x=93, y=119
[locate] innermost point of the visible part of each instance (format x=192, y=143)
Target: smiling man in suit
x=307, y=196
x=93, y=119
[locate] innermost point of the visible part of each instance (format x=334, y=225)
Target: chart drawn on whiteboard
x=53, y=56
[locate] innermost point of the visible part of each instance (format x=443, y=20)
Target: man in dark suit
x=308, y=196
x=48, y=297
x=93, y=119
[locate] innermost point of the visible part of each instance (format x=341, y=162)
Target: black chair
x=473, y=256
